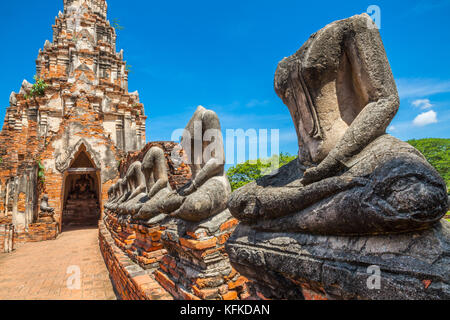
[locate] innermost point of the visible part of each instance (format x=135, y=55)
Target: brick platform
x=197, y=266
x=130, y=280
x=141, y=243
x=38, y=232
x=166, y=262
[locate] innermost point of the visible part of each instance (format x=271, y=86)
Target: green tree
x=437, y=152
x=246, y=172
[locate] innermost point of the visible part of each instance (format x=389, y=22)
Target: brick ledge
x=130, y=281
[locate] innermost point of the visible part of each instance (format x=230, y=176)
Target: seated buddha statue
x=110, y=196
x=206, y=195
x=113, y=195
x=351, y=178
x=83, y=189
x=123, y=194
x=154, y=169
x=136, y=187
x=44, y=206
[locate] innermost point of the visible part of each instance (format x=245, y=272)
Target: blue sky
x=223, y=55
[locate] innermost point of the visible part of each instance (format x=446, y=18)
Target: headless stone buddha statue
x=154, y=169
x=351, y=178
x=113, y=196
x=206, y=195
x=123, y=194
x=136, y=188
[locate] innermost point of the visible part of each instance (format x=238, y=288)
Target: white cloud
x=422, y=104
x=392, y=128
x=425, y=118
x=416, y=88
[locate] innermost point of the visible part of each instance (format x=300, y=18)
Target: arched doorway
x=81, y=192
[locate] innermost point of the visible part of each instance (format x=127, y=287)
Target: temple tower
x=65, y=138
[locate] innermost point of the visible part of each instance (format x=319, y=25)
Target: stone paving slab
x=43, y=270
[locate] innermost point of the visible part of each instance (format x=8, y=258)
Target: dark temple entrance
x=81, y=192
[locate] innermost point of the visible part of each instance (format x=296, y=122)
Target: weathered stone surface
x=12, y=99
x=207, y=193
x=182, y=214
x=340, y=91
x=283, y=264
x=44, y=205
x=356, y=197
x=115, y=196
x=155, y=170
x=138, y=193
x=26, y=87
x=178, y=172
x=403, y=193
x=136, y=186
x=351, y=177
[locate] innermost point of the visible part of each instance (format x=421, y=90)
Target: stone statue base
x=147, y=250
x=122, y=235
x=141, y=243
x=196, y=266
x=46, y=217
x=300, y=266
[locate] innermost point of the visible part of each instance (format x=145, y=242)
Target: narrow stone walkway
x=49, y=270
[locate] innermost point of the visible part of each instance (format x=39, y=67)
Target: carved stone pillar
x=120, y=139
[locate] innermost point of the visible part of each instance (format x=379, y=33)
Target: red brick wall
x=131, y=282
x=200, y=248
x=38, y=232
x=139, y=247
x=142, y=244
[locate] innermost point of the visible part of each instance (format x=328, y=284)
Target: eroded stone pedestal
x=46, y=217
x=197, y=266
x=300, y=266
